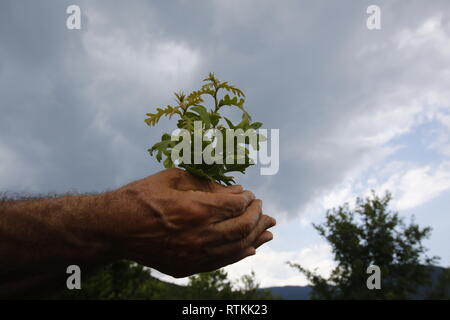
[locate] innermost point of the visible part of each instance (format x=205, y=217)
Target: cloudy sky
x=357, y=109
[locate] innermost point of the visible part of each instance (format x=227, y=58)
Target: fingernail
x=274, y=221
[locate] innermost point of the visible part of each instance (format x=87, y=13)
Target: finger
x=238, y=228
x=264, y=223
x=266, y=236
x=221, y=205
x=256, y=238
x=229, y=189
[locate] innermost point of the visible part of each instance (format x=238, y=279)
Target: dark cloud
x=72, y=103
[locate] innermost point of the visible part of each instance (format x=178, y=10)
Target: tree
x=129, y=280
x=216, y=285
x=121, y=280
x=371, y=234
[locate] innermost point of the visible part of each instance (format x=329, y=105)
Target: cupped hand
x=181, y=225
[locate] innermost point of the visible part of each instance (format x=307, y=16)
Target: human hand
x=181, y=225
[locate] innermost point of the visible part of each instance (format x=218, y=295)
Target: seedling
x=214, y=130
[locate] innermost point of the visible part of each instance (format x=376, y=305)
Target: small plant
x=190, y=109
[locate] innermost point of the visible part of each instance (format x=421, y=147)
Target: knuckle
x=193, y=208
x=267, y=221
x=203, y=238
x=240, y=204
x=229, y=237
x=245, y=229
x=243, y=243
x=259, y=204
x=185, y=213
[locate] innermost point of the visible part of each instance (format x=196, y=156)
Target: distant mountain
x=302, y=292
x=290, y=292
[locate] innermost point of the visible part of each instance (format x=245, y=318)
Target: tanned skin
x=171, y=221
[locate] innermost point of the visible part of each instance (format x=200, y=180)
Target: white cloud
x=444, y=119
x=411, y=185
x=415, y=94
x=339, y=196
x=414, y=186
x=167, y=278
x=431, y=32
x=271, y=269
x=439, y=139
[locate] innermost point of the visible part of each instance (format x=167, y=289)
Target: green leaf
x=168, y=163
x=227, y=101
x=203, y=114
x=244, y=124
x=230, y=124
x=191, y=107
x=256, y=125
x=261, y=137
x=215, y=118
x=169, y=111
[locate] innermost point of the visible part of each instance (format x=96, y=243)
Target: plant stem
x=216, y=104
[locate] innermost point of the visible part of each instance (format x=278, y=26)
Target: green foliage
x=191, y=108
x=371, y=234
x=118, y=281
x=129, y=280
x=216, y=286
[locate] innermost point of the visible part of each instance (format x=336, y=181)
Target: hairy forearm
x=40, y=238
x=171, y=221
